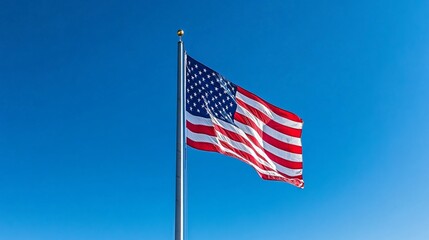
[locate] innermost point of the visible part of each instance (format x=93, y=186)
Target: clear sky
x=87, y=118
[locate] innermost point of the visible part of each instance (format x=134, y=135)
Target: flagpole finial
x=180, y=33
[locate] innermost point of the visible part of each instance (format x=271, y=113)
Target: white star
x=199, y=72
x=204, y=70
x=196, y=66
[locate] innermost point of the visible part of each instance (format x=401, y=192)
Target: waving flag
x=223, y=117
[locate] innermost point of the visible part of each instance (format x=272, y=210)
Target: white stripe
x=238, y=145
x=253, y=147
x=268, y=112
x=241, y=130
x=197, y=137
x=207, y=139
x=245, y=148
x=227, y=126
x=267, y=129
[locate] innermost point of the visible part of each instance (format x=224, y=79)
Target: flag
x=224, y=117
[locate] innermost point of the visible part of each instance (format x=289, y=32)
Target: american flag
x=223, y=117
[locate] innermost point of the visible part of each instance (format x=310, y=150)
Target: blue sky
x=87, y=118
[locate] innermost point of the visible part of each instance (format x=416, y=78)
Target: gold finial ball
x=180, y=32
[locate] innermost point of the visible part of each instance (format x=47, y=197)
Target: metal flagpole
x=179, y=227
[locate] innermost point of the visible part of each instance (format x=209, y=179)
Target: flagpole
x=179, y=225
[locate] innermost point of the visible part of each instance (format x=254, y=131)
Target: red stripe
x=285, y=129
x=269, y=122
x=245, y=156
x=246, y=121
x=207, y=130
x=211, y=131
x=215, y=148
x=203, y=146
x=266, y=137
x=281, y=145
x=236, y=137
x=297, y=181
x=275, y=109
